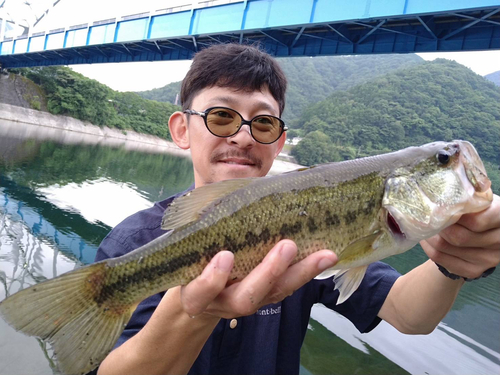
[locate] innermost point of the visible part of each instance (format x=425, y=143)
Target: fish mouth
x=474, y=178
x=394, y=227
x=474, y=167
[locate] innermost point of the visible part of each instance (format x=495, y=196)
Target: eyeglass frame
x=204, y=114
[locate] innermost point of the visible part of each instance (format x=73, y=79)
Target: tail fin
x=64, y=311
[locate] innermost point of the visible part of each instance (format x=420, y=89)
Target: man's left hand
x=471, y=246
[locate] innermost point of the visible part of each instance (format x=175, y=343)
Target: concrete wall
x=43, y=125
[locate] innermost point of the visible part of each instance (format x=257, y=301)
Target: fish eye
x=443, y=157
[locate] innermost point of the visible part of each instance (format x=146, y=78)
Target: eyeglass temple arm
x=193, y=112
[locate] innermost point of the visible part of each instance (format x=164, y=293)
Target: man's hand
x=471, y=246
x=270, y=282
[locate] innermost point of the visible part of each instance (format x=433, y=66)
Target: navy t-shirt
x=269, y=341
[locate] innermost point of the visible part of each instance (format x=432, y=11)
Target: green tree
x=315, y=148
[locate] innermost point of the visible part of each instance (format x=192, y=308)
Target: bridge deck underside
x=154, y=38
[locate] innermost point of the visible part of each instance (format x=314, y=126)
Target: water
x=60, y=194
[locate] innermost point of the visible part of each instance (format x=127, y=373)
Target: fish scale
x=363, y=210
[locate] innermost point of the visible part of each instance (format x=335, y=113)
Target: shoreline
x=44, y=125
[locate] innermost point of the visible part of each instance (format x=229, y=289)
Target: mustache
x=236, y=154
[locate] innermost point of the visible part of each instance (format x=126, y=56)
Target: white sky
x=142, y=76
x=148, y=75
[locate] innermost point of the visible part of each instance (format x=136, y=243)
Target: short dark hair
x=239, y=66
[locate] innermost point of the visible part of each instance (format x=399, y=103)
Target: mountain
x=494, y=77
x=313, y=79
x=438, y=100
x=166, y=93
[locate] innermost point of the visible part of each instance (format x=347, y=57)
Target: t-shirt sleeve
x=111, y=248
x=362, y=307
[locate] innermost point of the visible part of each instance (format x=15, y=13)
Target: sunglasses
x=226, y=122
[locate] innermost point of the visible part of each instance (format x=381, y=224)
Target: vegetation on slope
x=439, y=100
x=167, y=93
x=70, y=93
x=313, y=79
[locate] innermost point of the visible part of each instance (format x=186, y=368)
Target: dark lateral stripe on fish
x=331, y=219
x=253, y=239
x=146, y=274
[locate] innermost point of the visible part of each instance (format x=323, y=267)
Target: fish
x=363, y=210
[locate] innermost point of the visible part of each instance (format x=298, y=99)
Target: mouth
x=237, y=161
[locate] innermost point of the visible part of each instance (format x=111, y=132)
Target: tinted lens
x=266, y=129
x=223, y=121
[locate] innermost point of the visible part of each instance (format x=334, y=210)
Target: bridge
x=283, y=27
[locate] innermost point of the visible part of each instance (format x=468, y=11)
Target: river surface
x=59, y=198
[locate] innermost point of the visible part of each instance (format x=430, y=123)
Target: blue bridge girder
x=283, y=27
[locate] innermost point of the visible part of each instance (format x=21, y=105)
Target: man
x=257, y=325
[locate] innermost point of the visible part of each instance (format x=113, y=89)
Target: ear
x=179, y=129
x=280, y=143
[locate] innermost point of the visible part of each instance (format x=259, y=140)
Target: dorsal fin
x=190, y=206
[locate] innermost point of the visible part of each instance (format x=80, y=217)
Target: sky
x=148, y=75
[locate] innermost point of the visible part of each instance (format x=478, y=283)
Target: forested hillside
x=66, y=92
x=313, y=79
x=439, y=100
x=166, y=93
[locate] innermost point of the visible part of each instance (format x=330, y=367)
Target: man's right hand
x=270, y=282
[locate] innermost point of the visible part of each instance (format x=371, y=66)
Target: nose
x=243, y=138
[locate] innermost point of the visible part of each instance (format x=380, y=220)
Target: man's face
x=217, y=159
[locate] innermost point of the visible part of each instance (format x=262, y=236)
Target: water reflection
x=99, y=201
x=445, y=351
x=68, y=230
x=60, y=194
x=25, y=259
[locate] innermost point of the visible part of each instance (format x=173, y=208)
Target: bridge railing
x=111, y=30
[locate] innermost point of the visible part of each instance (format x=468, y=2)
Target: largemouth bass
x=363, y=210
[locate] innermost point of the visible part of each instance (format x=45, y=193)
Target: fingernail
x=325, y=263
x=288, y=251
x=225, y=261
